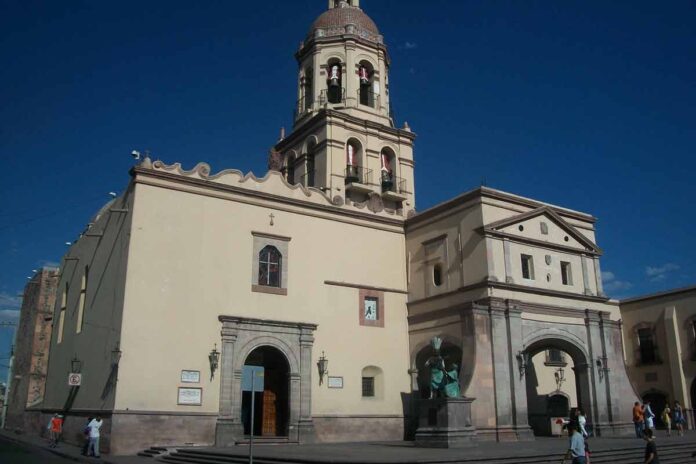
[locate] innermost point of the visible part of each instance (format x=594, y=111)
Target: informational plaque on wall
x=335, y=382
x=190, y=376
x=190, y=396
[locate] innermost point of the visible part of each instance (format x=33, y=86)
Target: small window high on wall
x=647, y=347
x=270, y=265
x=527, y=267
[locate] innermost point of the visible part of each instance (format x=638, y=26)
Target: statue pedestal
x=445, y=423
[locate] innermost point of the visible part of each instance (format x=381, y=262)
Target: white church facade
x=322, y=276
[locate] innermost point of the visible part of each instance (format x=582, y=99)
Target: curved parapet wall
x=273, y=184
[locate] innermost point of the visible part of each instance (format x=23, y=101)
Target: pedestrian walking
x=85, y=433
x=679, y=418
x=94, y=427
x=582, y=421
x=576, y=450
x=650, y=448
x=638, y=419
x=667, y=419
x=649, y=416
x=56, y=429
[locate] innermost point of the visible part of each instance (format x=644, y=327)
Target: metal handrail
x=373, y=98
x=358, y=174
x=392, y=183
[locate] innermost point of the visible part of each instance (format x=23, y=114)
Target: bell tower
x=344, y=140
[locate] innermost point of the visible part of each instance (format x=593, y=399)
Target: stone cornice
x=493, y=228
x=595, y=251
x=484, y=192
x=365, y=287
x=240, y=321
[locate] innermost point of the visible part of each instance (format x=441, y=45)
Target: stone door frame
x=241, y=336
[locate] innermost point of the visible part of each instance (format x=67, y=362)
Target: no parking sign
x=74, y=380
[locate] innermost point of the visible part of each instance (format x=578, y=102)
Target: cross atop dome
x=344, y=3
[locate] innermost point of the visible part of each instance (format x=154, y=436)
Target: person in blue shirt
x=576, y=451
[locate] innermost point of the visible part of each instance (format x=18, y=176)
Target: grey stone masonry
x=445, y=423
x=241, y=336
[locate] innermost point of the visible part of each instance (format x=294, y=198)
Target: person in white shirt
x=582, y=421
x=94, y=427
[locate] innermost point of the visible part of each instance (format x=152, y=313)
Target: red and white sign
x=74, y=380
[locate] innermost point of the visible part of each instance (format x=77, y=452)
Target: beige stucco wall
x=546, y=382
x=676, y=373
x=191, y=260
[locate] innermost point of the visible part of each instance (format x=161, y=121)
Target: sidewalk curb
x=18, y=440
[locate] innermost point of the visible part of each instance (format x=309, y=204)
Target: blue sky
x=584, y=104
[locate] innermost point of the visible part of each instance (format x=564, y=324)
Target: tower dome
x=345, y=19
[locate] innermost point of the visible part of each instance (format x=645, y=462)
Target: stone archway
x=580, y=367
x=266, y=377
x=292, y=341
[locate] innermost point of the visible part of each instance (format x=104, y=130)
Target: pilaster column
x=518, y=384
x=585, y=276
x=502, y=383
x=598, y=277
x=600, y=416
x=229, y=428
x=305, y=423
x=350, y=79
x=508, y=262
x=490, y=255
x=674, y=354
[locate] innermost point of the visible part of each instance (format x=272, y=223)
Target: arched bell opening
x=388, y=177
x=266, y=377
x=290, y=166
x=334, y=81
x=307, y=89
x=368, y=92
x=557, y=384
x=310, y=163
x=354, y=164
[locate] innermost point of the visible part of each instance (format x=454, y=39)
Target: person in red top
x=56, y=429
x=638, y=419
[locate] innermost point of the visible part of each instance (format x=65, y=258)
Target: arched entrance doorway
x=270, y=372
x=557, y=383
x=657, y=405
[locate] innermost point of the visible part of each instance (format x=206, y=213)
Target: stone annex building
x=189, y=283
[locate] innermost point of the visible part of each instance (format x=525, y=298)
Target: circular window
x=437, y=275
x=566, y=238
x=521, y=228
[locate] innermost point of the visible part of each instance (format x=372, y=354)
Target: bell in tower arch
x=335, y=76
x=364, y=75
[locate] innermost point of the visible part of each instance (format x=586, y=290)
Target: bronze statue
x=443, y=382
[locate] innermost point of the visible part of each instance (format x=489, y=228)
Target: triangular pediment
x=543, y=225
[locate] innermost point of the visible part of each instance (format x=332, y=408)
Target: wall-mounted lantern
x=116, y=355
x=323, y=367
x=602, y=368
x=560, y=378
x=75, y=365
x=214, y=360
x=522, y=362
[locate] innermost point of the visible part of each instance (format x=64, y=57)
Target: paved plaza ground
x=22, y=449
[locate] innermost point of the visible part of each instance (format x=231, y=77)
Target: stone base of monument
x=445, y=423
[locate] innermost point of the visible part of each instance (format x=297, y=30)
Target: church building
x=313, y=292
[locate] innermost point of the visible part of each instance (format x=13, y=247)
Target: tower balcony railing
x=334, y=95
x=358, y=175
x=392, y=183
x=368, y=97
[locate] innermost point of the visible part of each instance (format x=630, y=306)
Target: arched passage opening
x=557, y=383
x=266, y=376
x=657, y=401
